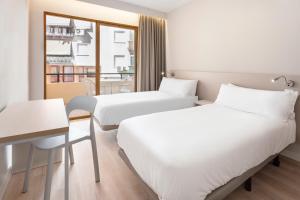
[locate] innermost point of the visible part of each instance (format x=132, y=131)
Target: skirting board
x=292, y=152
x=3, y=186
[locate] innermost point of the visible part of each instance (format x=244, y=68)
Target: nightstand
x=202, y=102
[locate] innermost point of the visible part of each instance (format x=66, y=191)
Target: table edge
x=32, y=135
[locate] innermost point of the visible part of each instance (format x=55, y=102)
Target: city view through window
x=71, y=53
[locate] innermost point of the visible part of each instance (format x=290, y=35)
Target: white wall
x=36, y=52
x=13, y=65
x=255, y=36
x=126, y=6
x=69, y=7
x=13, y=51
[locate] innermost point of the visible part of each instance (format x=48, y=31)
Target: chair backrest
x=86, y=103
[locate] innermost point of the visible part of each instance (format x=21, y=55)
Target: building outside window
x=71, y=58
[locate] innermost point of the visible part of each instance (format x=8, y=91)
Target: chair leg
x=95, y=159
x=49, y=175
x=71, y=154
x=28, y=168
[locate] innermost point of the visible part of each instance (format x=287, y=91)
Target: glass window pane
x=70, y=57
x=117, y=60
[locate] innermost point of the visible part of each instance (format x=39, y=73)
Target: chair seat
x=76, y=134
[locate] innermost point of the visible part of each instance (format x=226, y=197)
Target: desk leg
x=66, y=166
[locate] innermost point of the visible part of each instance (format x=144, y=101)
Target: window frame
x=97, y=49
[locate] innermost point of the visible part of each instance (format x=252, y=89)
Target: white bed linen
x=112, y=109
x=188, y=153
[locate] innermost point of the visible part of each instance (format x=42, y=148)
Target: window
x=69, y=70
x=119, y=37
x=68, y=30
x=60, y=30
x=132, y=60
x=83, y=49
x=72, y=56
x=119, y=61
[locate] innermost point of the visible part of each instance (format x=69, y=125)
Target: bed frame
x=208, y=87
x=225, y=190
x=106, y=127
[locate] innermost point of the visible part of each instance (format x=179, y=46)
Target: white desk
x=21, y=122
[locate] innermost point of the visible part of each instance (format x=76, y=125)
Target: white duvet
x=112, y=109
x=188, y=153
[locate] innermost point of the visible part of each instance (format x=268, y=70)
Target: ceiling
x=159, y=5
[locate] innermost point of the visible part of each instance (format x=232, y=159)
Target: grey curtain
x=152, y=52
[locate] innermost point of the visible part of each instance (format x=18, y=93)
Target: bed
x=195, y=153
x=173, y=94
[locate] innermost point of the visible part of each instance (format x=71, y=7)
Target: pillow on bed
x=178, y=87
x=274, y=104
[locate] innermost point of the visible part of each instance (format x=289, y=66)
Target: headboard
x=209, y=84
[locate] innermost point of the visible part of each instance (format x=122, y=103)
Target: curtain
x=152, y=52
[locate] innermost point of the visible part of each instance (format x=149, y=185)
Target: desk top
x=32, y=119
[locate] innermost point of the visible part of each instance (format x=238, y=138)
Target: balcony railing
x=60, y=77
x=79, y=84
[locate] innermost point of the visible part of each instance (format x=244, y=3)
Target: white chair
x=86, y=103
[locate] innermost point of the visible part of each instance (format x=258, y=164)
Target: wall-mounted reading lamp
x=288, y=83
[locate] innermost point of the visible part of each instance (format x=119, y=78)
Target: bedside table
x=202, y=102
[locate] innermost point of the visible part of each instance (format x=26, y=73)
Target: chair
x=86, y=103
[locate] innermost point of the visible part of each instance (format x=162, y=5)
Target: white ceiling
x=159, y=5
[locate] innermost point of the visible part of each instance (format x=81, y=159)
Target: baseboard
x=292, y=152
x=4, y=185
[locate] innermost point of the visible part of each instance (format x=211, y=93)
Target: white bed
x=173, y=94
x=193, y=151
x=112, y=109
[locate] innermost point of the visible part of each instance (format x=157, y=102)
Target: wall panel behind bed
x=209, y=84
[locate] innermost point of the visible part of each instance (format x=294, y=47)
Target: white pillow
x=273, y=104
x=178, y=87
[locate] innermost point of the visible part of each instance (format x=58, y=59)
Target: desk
x=26, y=121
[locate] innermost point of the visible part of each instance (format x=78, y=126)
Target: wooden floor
x=118, y=182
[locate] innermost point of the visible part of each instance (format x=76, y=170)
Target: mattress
x=112, y=109
x=188, y=153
